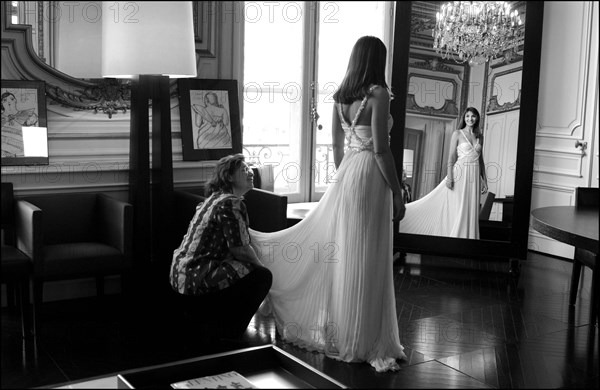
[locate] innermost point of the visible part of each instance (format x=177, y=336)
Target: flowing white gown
x=333, y=286
x=445, y=212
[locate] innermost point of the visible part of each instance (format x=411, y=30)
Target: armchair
x=267, y=211
x=17, y=265
x=76, y=235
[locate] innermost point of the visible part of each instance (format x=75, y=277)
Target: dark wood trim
x=527, y=124
x=399, y=73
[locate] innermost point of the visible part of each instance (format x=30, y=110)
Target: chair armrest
x=29, y=232
x=184, y=208
x=267, y=210
x=116, y=223
x=487, y=201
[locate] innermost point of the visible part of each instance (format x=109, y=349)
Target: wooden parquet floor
x=463, y=323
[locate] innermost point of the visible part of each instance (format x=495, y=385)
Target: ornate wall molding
x=207, y=15
x=493, y=106
x=107, y=96
x=563, y=98
x=448, y=109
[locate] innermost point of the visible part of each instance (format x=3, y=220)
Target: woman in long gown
x=452, y=208
x=332, y=272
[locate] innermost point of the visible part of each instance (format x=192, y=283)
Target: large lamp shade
x=148, y=38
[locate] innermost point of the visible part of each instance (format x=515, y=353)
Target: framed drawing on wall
x=210, y=118
x=24, y=131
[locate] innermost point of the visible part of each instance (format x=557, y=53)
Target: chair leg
x=24, y=306
x=38, y=297
x=575, y=276
x=99, y=286
x=594, y=297
x=10, y=295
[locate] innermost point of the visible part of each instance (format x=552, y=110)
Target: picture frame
x=24, y=122
x=210, y=118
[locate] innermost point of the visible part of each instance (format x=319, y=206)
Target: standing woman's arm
x=383, y=155
x=482, y=173
x=379, y=124
x=452, y=157
x=337, y=136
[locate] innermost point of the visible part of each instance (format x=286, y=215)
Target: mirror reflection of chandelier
x=476, y=31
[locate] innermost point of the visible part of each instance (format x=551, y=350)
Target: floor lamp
x=149, y=42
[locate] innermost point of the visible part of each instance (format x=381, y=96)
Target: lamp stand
x=150, y=190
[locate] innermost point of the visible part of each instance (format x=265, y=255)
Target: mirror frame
x=516, y=247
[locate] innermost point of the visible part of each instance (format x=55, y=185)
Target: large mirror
x=435, y=92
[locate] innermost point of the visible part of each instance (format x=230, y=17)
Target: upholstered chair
x=487, y=201
x=17, y=263
x=80, y=235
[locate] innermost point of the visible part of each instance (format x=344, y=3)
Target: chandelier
x=476, y=31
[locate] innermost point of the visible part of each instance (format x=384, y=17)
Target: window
x=295, y=56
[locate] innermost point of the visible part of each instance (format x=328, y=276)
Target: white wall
x=567, y=111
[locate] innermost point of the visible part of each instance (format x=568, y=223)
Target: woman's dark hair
x=476, y=130
x=223, y=174
x=366, y=67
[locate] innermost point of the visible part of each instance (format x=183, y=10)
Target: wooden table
x=568, y=224
x=577, y=226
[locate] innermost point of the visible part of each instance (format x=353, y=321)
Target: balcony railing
x=287, y=172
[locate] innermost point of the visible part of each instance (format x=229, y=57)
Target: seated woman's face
x=243, y=179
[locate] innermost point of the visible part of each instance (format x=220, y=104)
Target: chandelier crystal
x=476, y=31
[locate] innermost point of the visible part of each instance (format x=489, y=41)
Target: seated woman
x=215, y=268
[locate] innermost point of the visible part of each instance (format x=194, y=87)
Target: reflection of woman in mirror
x=452, y=208
x=406, y=190
x=12, y=122
x=212, y=120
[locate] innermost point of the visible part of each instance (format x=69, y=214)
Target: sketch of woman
x=212, y=120
x=13, y=120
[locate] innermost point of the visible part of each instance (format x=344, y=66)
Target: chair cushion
x=15, y=264
x=82, y=259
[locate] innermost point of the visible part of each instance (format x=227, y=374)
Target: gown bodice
x=360, y=137
x=467, y=151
